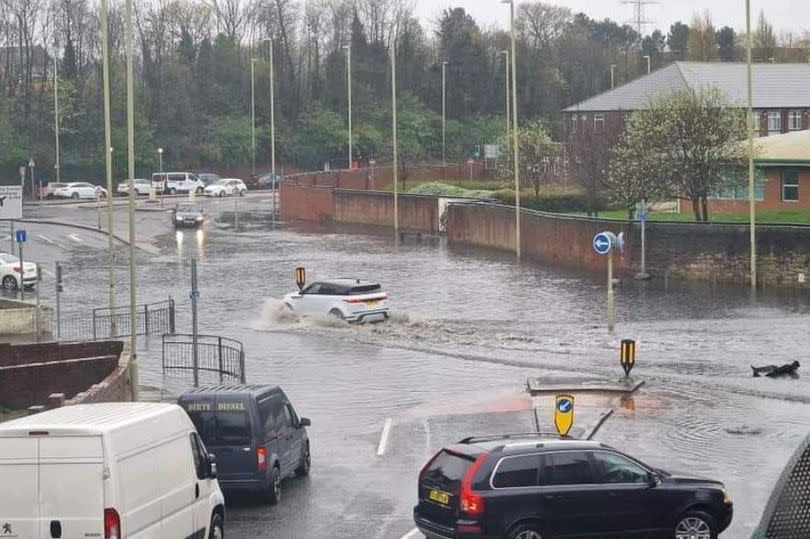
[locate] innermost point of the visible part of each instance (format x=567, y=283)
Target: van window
x=267, y=415
x=177, y=177
x=223, y=427
x=290, y=417
x=200, y=458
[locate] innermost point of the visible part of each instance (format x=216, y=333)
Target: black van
x=254, y=432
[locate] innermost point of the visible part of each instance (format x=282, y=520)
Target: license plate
x=372, y=303
x=439, y=497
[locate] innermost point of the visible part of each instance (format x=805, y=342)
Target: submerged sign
x=10, y=202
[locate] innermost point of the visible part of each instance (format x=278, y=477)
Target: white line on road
x=75, y=238
x=384, y=438
x=47, y=272
x=413, y=534
x=49, y=240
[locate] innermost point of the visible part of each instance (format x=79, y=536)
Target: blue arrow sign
x=603, y=243
x=194, y=295
x=565, y=405
x=642, y=216
x=21, y=236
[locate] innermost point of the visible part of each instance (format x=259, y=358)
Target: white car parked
x=352, y=300
x=10, y=272
x=226, y=187
x=78, y=190
x=141, y=187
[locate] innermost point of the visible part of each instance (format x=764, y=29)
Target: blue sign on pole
x=603, y=243
x=21, y=236
x=194, y=295
x=642, y=216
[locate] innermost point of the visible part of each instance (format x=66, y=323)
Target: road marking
x=47, y=272
x=49, y=240
x=384, y=438
x=75, y=238
x=413, y=534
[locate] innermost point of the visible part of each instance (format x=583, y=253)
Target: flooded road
x=468, y=327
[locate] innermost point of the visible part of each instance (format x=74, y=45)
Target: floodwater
x=468, y=322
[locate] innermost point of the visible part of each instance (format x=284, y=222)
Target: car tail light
x=471, y=503
x=112, y=524
x=261, y=455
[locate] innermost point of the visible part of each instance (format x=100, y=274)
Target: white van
x=113, y=470
x=173, y=183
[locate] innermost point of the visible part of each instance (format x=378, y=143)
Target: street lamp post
x=612, y=76
x=349, y=82
x=56, y=111
x=506, y=82
x=160, y=159
x=444, y=113
x=105, y=60
x=752, y=205
x=133, y=320
x=253, y=115
x=394, y=133
x=515, y=125
x=649, y=63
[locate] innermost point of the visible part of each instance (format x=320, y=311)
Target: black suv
x=533, y=486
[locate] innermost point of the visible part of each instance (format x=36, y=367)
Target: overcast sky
x=792, y=15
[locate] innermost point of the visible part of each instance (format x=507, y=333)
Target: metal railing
x=104, y=323
x=225, y=357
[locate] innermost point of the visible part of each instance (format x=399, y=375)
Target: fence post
x=94, y=324
x=146, y=318
x=219, y=353
x=163, y=353
x=171, y=315
x=242, y=363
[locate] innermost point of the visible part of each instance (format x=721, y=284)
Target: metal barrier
x=104, y=323
x=787, y=515
x=220, y=355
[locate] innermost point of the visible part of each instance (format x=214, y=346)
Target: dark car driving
x=187, y=214
x=534, y=486
x=255, y=434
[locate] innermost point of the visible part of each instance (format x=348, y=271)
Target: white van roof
x=90, y=419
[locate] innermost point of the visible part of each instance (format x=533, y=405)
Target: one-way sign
x=10, y=202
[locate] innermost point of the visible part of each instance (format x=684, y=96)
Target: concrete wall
x=83, y=372
x=19, y=318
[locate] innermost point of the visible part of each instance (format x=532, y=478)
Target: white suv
x=352, y=300
x=177, y=182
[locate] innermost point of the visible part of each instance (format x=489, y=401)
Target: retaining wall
x=83, y=372
x=19, y=317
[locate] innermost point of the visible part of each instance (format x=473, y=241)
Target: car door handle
x=196, y=490
x=550, y=497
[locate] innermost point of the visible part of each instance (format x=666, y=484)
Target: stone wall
x=19, y=318
x=82, y=372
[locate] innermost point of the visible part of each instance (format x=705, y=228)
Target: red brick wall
x=44, y=352
x=300, y=202
x=371, y=208
x=773, y=196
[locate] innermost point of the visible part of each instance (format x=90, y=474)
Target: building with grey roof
x=781, y=94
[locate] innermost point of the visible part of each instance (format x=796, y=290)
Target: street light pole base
x=643, y=276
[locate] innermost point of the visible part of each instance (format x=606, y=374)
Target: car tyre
x=525, y=531
x=242, y=193
x=217, y=530
x=200, y=190
x=172, y=191
x=221, y=194
x=337, y=314
x=306, y=463
x=74, y=195
x=273, y=493
x=696, y=524
x=9, y=282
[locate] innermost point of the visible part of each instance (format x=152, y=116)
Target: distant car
x=265, y=181
x=208, y=178
x=47, y=191
x=255, y=434
x=77, y=190
x=528, y=486
x=352, y=300
x=173, y=183
x=10, y=272
x=142, y=187
x=226, y=187
x=187, y=214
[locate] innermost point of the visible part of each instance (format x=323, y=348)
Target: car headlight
x=199, y=217
x=726, y=498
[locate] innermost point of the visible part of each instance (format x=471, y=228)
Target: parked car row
x=148, y=469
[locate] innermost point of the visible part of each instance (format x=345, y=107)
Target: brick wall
x=773, y=196
x=30, y=373
x=415, y=212
x=301, y=202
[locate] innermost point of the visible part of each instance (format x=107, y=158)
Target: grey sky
x=790, y=15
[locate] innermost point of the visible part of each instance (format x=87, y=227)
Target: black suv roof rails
x=494, y=437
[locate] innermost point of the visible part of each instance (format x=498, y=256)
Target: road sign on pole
x=10, y=202
x=604, y=243
x=21, y=236
x=564, y=414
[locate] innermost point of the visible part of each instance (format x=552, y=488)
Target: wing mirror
x=305, y=422
x=212, y=466
x=653, y=479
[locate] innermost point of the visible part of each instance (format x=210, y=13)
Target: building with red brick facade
x=781, y=95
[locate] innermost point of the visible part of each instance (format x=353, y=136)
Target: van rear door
x=19, y=505
x=71, y=486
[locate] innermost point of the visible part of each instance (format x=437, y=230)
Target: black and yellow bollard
x=628, y=356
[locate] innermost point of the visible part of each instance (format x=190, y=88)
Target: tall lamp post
x=105, y=60
x=349, y=83
x=444, y=113
x=506, y=82
x=515, y=125
x=253, y=115
x=133, y=320
x=752, y=205
x=56, y=109
x=394, y=132
x=160, y=159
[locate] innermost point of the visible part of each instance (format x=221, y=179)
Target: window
x=314, y=288
x=790, y=185
x=200, y=456
x=613, y=468
x=574, y=123
x=774, y=122
x=566, y=468
x=599, y=123
x=288, y=417
x=795, y=120
x=513, y=472
x=735, y=185
x=448, y=470
x=757, y=124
